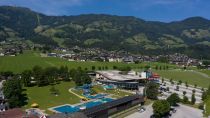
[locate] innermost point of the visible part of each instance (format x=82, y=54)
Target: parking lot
x=182, y=88
x=182, y=111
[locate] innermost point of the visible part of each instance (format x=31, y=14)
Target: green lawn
x=42, y=96
x=189, y=76
x=115, y=93
x=207, y=106
x=29, y=59
x=206, y=72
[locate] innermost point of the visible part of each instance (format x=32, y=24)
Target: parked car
x=142, y=109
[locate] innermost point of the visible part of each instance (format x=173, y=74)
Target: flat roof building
x=106, y=109
x=131, y=80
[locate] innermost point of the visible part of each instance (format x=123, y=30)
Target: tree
x=180, y=82
x=172, y=82
x=160, y=108
x=26, y=78
x=173, y=99
x=204, y=95
x=185, y=100
x=52, y=74
x=162, y=80
x=12, y=90
x=177, y=88
x=152, y=90
x=7, y=74
x=184, y=93
x=39, y=75
x=167, y=89
x=193, y=100
x=160, y=67
x=64, y=73
x=93, y=68
x=146, y=67
x=114, y=67
x=156, y=67
x=80, y=77
x=193, y=91
x=208, y=90
x=164, y=67
x=167, y=67
x=186, y=84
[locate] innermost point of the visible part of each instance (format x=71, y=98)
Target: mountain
x=110, y=32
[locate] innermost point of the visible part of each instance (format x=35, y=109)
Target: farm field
x=45, y=100
x=29, y=59
x=192, y=77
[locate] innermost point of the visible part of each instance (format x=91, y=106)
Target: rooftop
x=115, y=75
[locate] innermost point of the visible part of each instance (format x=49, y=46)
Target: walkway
x=81, y=97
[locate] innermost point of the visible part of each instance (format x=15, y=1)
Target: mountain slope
x=107, y=31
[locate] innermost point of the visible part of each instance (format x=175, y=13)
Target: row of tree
x=44, y=76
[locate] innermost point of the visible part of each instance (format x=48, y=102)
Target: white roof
x=114, y=75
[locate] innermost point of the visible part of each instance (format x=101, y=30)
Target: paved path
x=183, y=111
x=81, y=97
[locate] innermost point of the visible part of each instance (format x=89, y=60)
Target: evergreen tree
x=193, y=100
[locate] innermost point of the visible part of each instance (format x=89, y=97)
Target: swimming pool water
x=71, y=109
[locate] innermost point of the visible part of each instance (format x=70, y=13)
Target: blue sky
x=153, y=10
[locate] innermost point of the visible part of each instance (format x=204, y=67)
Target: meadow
x=29, y=59
x=192, y=77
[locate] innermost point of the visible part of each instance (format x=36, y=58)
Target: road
x=183, y=111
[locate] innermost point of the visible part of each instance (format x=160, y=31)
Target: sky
x=152, y=10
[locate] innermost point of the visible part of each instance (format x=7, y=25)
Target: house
x=15, y=113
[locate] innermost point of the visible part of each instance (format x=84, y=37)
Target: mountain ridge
x=109, y=32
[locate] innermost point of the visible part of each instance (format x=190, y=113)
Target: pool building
x=105, y=109
x=128, y=81
x=132, y=80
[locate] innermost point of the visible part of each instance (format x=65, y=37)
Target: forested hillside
x=190, y=36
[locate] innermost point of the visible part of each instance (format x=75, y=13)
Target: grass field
x=43, y=97
x=206, y=72
x=207, y=113
x=190, y=76
x=29, y=59
x=45, y=100
x=115, y=93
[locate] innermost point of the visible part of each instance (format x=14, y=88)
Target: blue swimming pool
x=71, y=109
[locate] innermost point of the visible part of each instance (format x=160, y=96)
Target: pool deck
x=77, y=104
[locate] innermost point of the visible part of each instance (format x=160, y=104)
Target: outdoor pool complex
x=72, y=108
x=97, y=96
